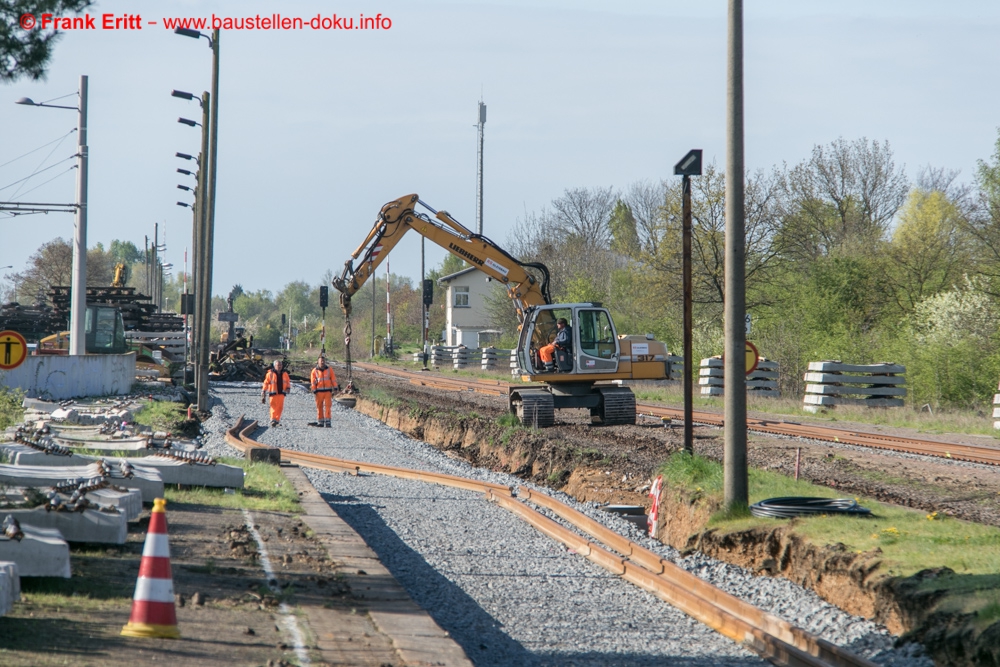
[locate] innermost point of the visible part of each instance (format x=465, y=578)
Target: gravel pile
x=507, y=594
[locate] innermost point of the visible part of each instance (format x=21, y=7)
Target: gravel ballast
x=507, y=594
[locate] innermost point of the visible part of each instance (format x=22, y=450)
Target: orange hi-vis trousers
x=547, y=353
x=324, y=401
x=277, y=406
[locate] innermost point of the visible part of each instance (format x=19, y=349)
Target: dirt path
x=225, y=612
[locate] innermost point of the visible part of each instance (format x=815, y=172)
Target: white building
x=466, y=307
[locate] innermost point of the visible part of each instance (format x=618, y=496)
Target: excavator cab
x=595, y=347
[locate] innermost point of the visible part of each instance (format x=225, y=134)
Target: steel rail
x=770, y=637
x=946, y=450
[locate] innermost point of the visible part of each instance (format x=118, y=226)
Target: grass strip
x=910, y=540
x=265, y=488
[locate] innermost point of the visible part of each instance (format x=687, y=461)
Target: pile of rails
x=237, y=361
x=137, y=309
x=33, y=322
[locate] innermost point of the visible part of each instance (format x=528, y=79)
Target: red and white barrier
x=153, y=611
x=654, y=509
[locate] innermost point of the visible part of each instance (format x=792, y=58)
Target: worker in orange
x=563, y=341
x=323, y=382
x=276, y=385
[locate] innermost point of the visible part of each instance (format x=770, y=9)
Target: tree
x=624, y=234
x=928, y=252
x=843, y=197
x=126, y=251
x=983, y=221
x=584, y=213
x=25, y=50
x=763, y=197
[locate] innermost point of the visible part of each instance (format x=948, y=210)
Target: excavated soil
x=617, y=464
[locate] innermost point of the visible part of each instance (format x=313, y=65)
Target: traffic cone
x=153, y=612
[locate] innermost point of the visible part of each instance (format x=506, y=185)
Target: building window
x=461, y=297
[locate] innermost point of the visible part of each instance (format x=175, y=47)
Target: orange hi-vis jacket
x=275, y=385
x=322, y=379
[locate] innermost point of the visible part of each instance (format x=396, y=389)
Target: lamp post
x=205, y=291
x=202, y=250
x=689, y=166
x=78, y=297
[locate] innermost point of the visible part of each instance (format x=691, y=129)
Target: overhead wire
x=35, y=150
x=51, y=166
x=46, y=159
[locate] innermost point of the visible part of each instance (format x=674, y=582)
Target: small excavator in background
x=599, y=358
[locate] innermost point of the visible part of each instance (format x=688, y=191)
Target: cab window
x=597, y=338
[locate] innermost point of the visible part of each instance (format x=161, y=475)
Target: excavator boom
x=399, y=216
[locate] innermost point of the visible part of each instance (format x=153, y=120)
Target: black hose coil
x=792, y=506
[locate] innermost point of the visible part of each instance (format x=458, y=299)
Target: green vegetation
x=161, y=415
x=265, y=488
x=382, y=397
x=11, y=411
x=910, y=540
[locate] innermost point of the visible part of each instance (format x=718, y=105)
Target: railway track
x=956, y=451
x=772, y=638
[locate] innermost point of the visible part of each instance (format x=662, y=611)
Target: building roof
x=452, y=276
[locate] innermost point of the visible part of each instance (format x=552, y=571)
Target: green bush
x=11, y=411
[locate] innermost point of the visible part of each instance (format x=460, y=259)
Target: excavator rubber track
x=534, y=408
x=617, y=406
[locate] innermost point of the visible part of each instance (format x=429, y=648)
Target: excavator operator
x=563, y=341
x=323, y=382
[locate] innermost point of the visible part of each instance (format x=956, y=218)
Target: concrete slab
x=128, y=502
x=147, y=480
x=85, y=526
x=42, y=552
x=837, y=367
x=10, y=586
x=173, y=471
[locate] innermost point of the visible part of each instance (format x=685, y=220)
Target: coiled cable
x=793, y=506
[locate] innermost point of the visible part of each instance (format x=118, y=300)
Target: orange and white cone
x=153, y=612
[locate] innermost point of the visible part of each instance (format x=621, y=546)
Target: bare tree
x=763, y=195
x=845, y=195
x=584, y=213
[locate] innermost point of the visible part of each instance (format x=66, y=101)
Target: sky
x=319, y=128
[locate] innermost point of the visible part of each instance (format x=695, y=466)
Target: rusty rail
x=770, y=637
x=946, y=450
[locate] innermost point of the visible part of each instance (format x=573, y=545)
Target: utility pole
x=735, y=482
x=479, y=179
x=156, y=271
x=78, y=299
x=209, y=237
x=202, y=284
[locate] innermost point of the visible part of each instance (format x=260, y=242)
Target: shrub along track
x=770, y=637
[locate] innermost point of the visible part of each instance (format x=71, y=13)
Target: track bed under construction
x=475, y=554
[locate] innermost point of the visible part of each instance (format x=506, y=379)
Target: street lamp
x=189, y=123
x=78, y=298
x=207, y=188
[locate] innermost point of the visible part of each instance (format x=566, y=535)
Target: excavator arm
x=399, y=216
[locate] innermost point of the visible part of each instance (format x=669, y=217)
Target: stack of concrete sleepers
x=146, y=480
x=40, y=552
x=763, y=381
x=831, y=383
x=202, y=471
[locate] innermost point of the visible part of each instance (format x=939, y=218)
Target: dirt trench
x=854, y=582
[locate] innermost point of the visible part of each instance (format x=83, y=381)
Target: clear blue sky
x=319, y=128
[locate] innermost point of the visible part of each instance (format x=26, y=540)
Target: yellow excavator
x=586, y=375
